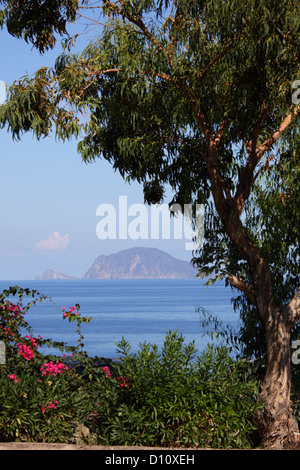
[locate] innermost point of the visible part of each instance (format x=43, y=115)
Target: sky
x=49, y=197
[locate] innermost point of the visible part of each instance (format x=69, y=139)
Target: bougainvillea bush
x=170, y=397
x=38, y=394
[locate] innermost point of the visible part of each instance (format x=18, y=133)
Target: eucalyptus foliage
x=37, y=21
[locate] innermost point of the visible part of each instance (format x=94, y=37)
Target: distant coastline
x=133, y=263
x=53, y=275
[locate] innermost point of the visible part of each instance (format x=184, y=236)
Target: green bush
x=172, y=398
x=152, y=398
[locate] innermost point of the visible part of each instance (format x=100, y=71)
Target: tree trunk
x=277, y=426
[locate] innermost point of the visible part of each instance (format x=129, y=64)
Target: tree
x=37, y=21
x=275, y=226
x=200, y=95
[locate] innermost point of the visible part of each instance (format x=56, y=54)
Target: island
x=140, y=263
x=50, y=274
x=133, y=263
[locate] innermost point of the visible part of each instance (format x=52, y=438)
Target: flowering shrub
x=152, y=398
x=40, y=399
x=52, y=368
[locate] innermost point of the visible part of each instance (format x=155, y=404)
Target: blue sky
x=49, y=197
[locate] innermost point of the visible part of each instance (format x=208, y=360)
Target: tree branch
x=216, y=59
x=95, y=74
x=139, y=23
x=255, y=154
x=172, y=41
x=276, y=135
x=164, y=76
x=244, y=286
x=218, y=186
x=253, y=143
x=221, y=130
x=291, y=311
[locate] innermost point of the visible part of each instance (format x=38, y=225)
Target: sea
x=137, y=310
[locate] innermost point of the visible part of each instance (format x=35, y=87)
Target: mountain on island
x=134, y=263
x=140, y=263
x=50, y=274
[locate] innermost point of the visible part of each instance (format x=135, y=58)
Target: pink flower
x=14, y=378
x=107, y=372
x=70, y=311
x=123, y=382
x=25, y=351
x=52, y=405
x=51, y=368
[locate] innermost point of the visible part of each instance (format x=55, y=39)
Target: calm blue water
x=138, y=310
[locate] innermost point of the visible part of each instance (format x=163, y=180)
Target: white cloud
x=54, y=242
